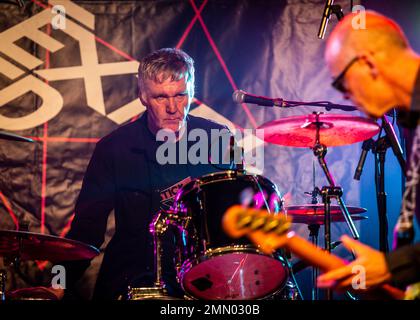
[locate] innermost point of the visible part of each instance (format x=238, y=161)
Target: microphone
x=393, y=140
x=326, y=14
x=240, y=96
x=366, y=146
x=329, y=9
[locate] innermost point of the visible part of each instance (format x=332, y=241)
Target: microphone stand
x=329, y=9
x=379, y=149
x=280, y=103
x=388, y=141
x=240, y=96
x=329, y=192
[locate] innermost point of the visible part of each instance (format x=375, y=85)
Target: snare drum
x=211, y=265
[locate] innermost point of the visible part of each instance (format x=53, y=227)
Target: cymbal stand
x=313, y=235
x=157, y=228
x=329, y=192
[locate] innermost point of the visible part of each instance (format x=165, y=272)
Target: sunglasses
x=338, y=81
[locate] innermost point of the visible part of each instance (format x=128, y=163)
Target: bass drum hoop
x=233, y=249
x=215, y=177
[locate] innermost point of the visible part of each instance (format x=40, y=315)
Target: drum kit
x=209, y=264
x=212, y=266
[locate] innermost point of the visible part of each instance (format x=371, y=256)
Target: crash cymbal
x=35, y=246
x=334, y=130
x=314, y=213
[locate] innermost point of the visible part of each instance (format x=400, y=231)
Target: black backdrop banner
x=66, y=80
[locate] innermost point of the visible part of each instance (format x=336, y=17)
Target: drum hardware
x=291, y=292
x=333, y=130
x=213, y=266
x=24, y=245
x=157, y=229
x=153, y=293
x=314, y=233
x=317, y=131
x=271, y=232
x=17, y=246
x=314, y=213
x=159, y=225
x=331, y=191
x=379, y=149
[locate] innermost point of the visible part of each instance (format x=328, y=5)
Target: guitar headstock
x=268, y=231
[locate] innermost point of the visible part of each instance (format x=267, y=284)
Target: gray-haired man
x=125, y=176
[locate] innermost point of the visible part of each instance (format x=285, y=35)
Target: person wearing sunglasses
x=376, y=68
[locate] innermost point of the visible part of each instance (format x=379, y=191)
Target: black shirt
x=404, y=262
x=124, y=175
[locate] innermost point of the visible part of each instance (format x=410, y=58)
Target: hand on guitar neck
x=370, y=261
x=270, y=232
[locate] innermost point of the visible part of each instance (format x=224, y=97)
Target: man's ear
x=142, y=97
x=370, y=61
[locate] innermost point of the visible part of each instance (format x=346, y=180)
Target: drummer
x=126, y=175
x=377, y=69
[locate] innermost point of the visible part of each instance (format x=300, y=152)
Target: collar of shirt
x=410, y=119
x=415, y=99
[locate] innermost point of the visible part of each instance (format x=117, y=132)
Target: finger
x=355, y=245
x=337, y=274
x=325, y=284
x=340, y=286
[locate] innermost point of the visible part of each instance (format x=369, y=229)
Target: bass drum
x=212, y=266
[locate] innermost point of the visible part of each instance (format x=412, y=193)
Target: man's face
x=368, y=89
x=167, y=103
x=363, y=82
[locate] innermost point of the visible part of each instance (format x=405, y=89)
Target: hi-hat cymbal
x=314, y=213
x=334, y=130
x=35, y=246
x=13, y=137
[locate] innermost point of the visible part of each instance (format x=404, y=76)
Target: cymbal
x=35, y=246
x=314, y=213
x=13, y=137
x=335, y=130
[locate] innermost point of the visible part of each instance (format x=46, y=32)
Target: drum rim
x=149, y=293
x=227, y=175
x=188, y=264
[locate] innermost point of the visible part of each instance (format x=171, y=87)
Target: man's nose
x=171, y=106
